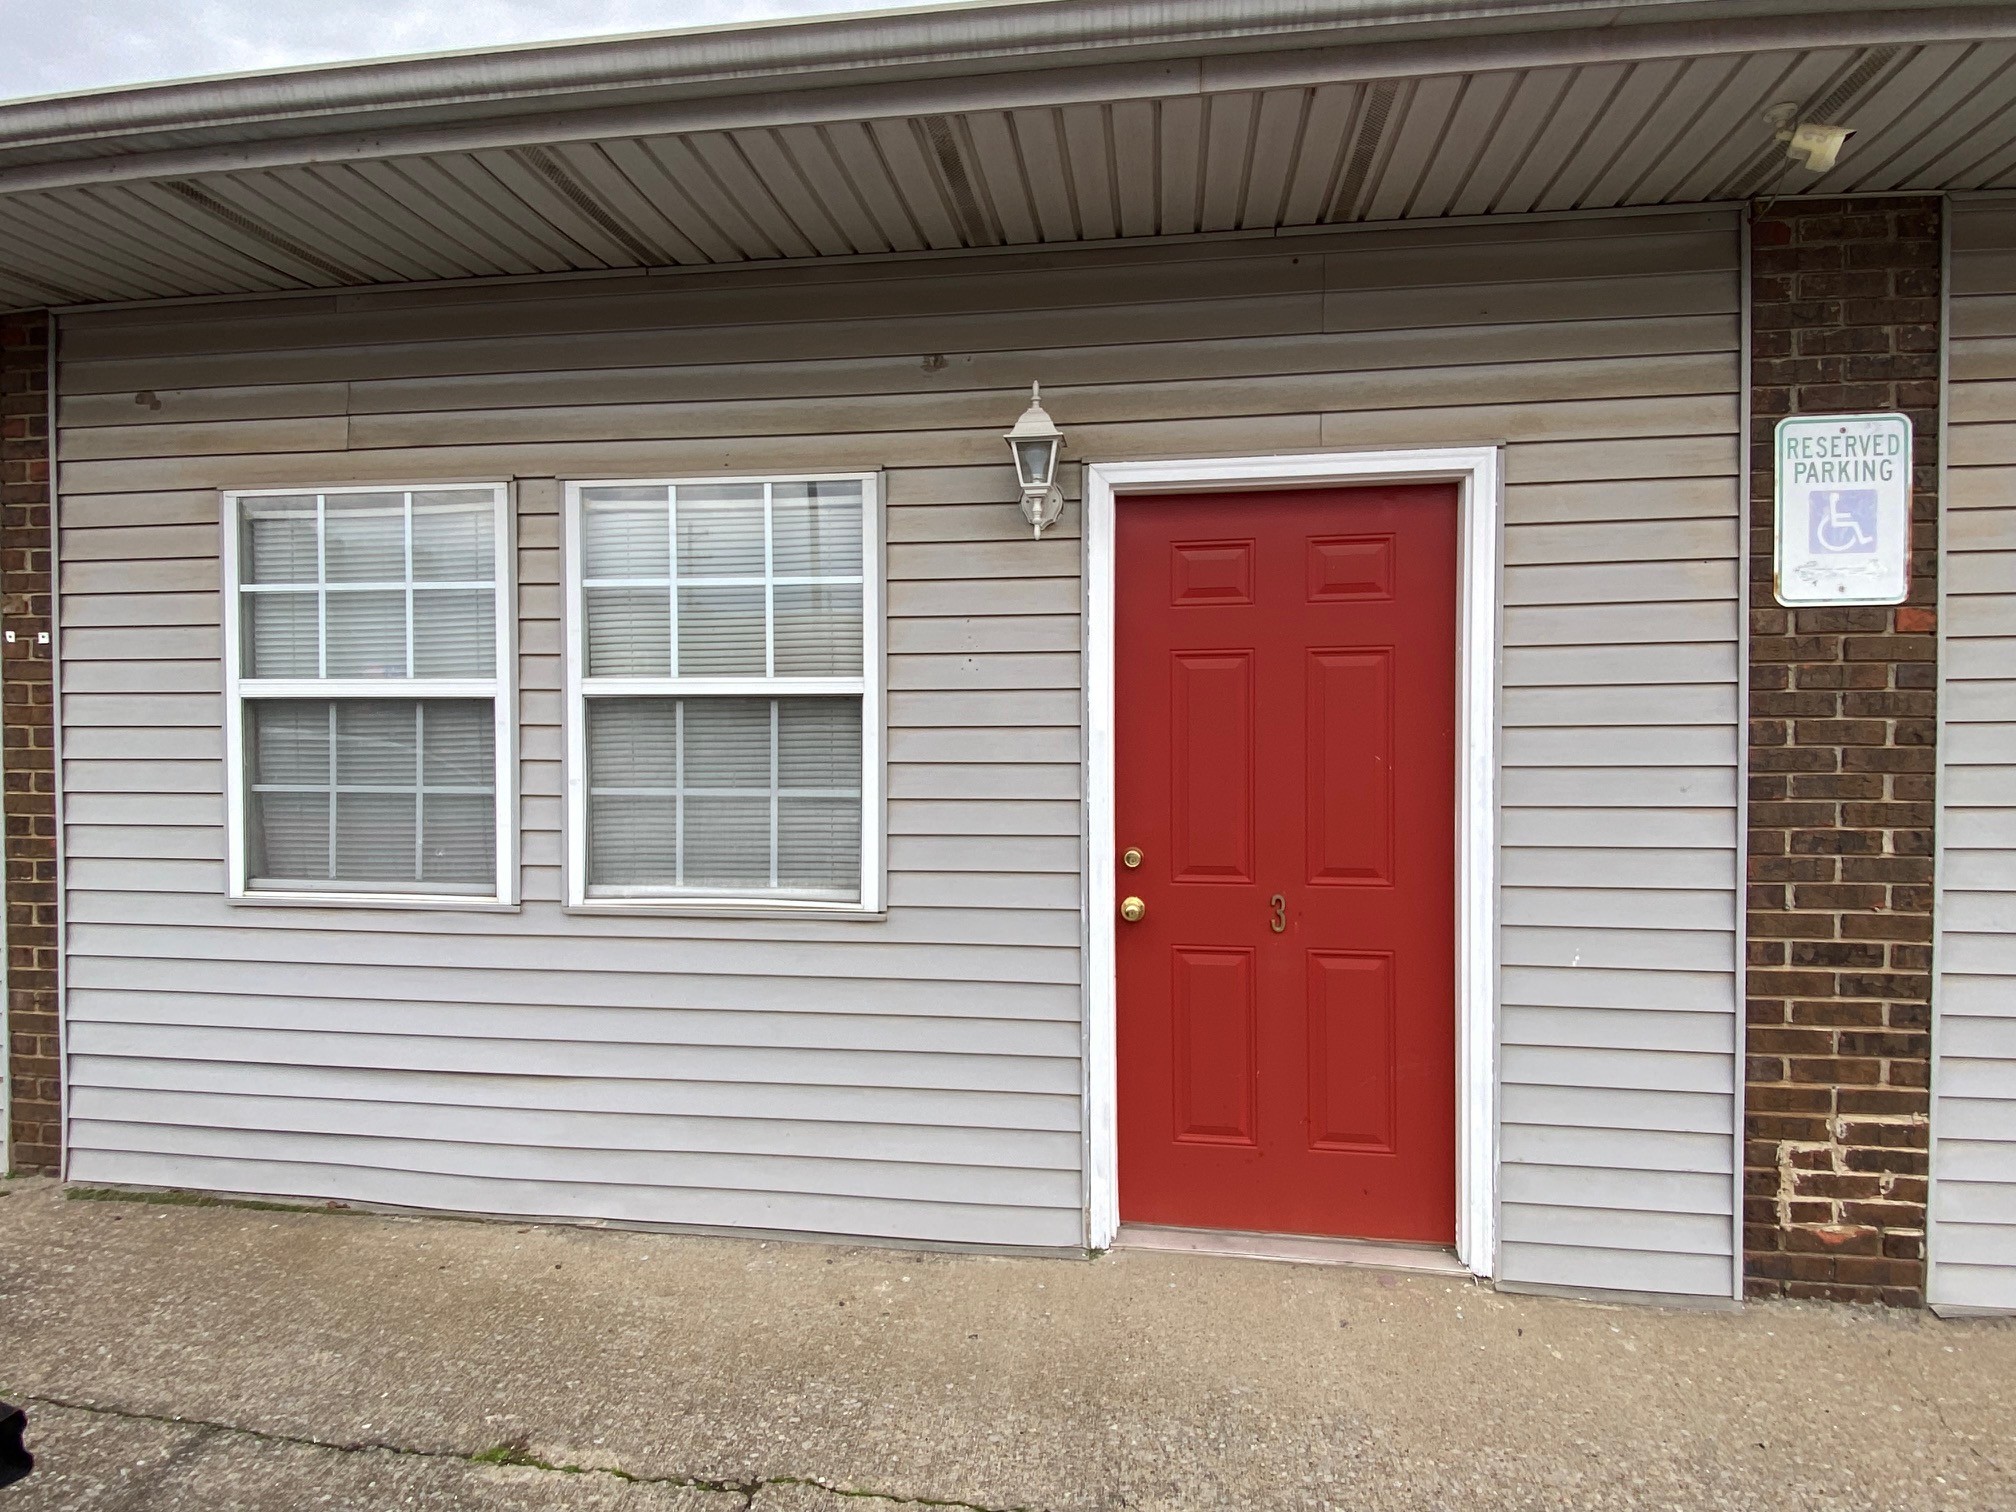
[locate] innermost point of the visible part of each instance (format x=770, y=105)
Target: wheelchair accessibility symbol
x=1843, y=521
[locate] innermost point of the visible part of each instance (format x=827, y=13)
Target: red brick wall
x=1845, y=317
x=27, y=730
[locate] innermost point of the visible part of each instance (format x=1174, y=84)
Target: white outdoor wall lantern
x=1034, y=443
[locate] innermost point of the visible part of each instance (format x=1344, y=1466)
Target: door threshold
x=1300, y=1249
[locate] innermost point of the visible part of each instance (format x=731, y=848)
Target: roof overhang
x=1002, y=123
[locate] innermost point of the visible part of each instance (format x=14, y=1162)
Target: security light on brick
x=1034, y=443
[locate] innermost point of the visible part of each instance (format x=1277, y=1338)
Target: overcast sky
x=50, y=46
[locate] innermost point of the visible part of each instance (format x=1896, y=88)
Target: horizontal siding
x=1618, y=788
x=918, y=1076
x=1973, y=1221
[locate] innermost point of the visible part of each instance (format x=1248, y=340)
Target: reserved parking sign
x=1843, y=509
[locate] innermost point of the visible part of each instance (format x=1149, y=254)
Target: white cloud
x=53, y=46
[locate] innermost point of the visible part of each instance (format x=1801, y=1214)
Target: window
x=725, y=722
x=368, y=653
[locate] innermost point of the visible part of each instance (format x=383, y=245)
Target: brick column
x=1845, y=317
x=27, y=731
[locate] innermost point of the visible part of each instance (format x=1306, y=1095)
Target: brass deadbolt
x=1131, y=857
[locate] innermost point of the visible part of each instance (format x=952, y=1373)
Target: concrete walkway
x=178, y=1357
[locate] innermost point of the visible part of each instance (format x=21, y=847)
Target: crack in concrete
x=137, y=1496
x=888, y=1496
x=498, y=1454
x=501, y=1454
x=1938, y=1409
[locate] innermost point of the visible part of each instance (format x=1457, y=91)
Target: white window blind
x=368, y=791
x=369, y=692
x=391, y=585
x=722, y=743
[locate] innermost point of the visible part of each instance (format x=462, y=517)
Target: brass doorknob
x=1131, y=909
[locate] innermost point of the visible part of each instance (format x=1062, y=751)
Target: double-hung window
x=368, y=656
x=724, y=708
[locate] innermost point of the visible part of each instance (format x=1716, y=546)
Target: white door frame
x=1476, y=472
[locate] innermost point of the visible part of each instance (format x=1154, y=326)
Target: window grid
x=674, y=580
x=769, y=653
x=408, y=585
x=334, y=788
x=860, y=687
x=406, y=543
x=681, y=789
x=774, y=796
x=322, y=587
x=492, y=686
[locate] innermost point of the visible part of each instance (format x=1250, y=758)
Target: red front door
x=1286, y=688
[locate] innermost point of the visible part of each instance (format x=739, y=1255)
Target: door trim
x=1477, y=473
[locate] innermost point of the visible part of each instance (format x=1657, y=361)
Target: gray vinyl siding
x=918, y=1077
x=1973, y=1239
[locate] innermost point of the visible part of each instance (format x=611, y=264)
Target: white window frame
x=499, y=688
x=869, y=686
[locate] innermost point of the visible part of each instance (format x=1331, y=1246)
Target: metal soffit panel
x=1590, y=136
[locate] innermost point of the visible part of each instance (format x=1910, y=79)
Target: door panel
x=1211, y=761
x=1285, y=732
x=1215, y=1045
x=1351, y=1093
x=1348, y=766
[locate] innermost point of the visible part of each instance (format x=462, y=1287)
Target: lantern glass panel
x=1036, y=461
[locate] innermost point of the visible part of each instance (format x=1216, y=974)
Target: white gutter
x=955, y=35
x=947, y=37
x=992, y=54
